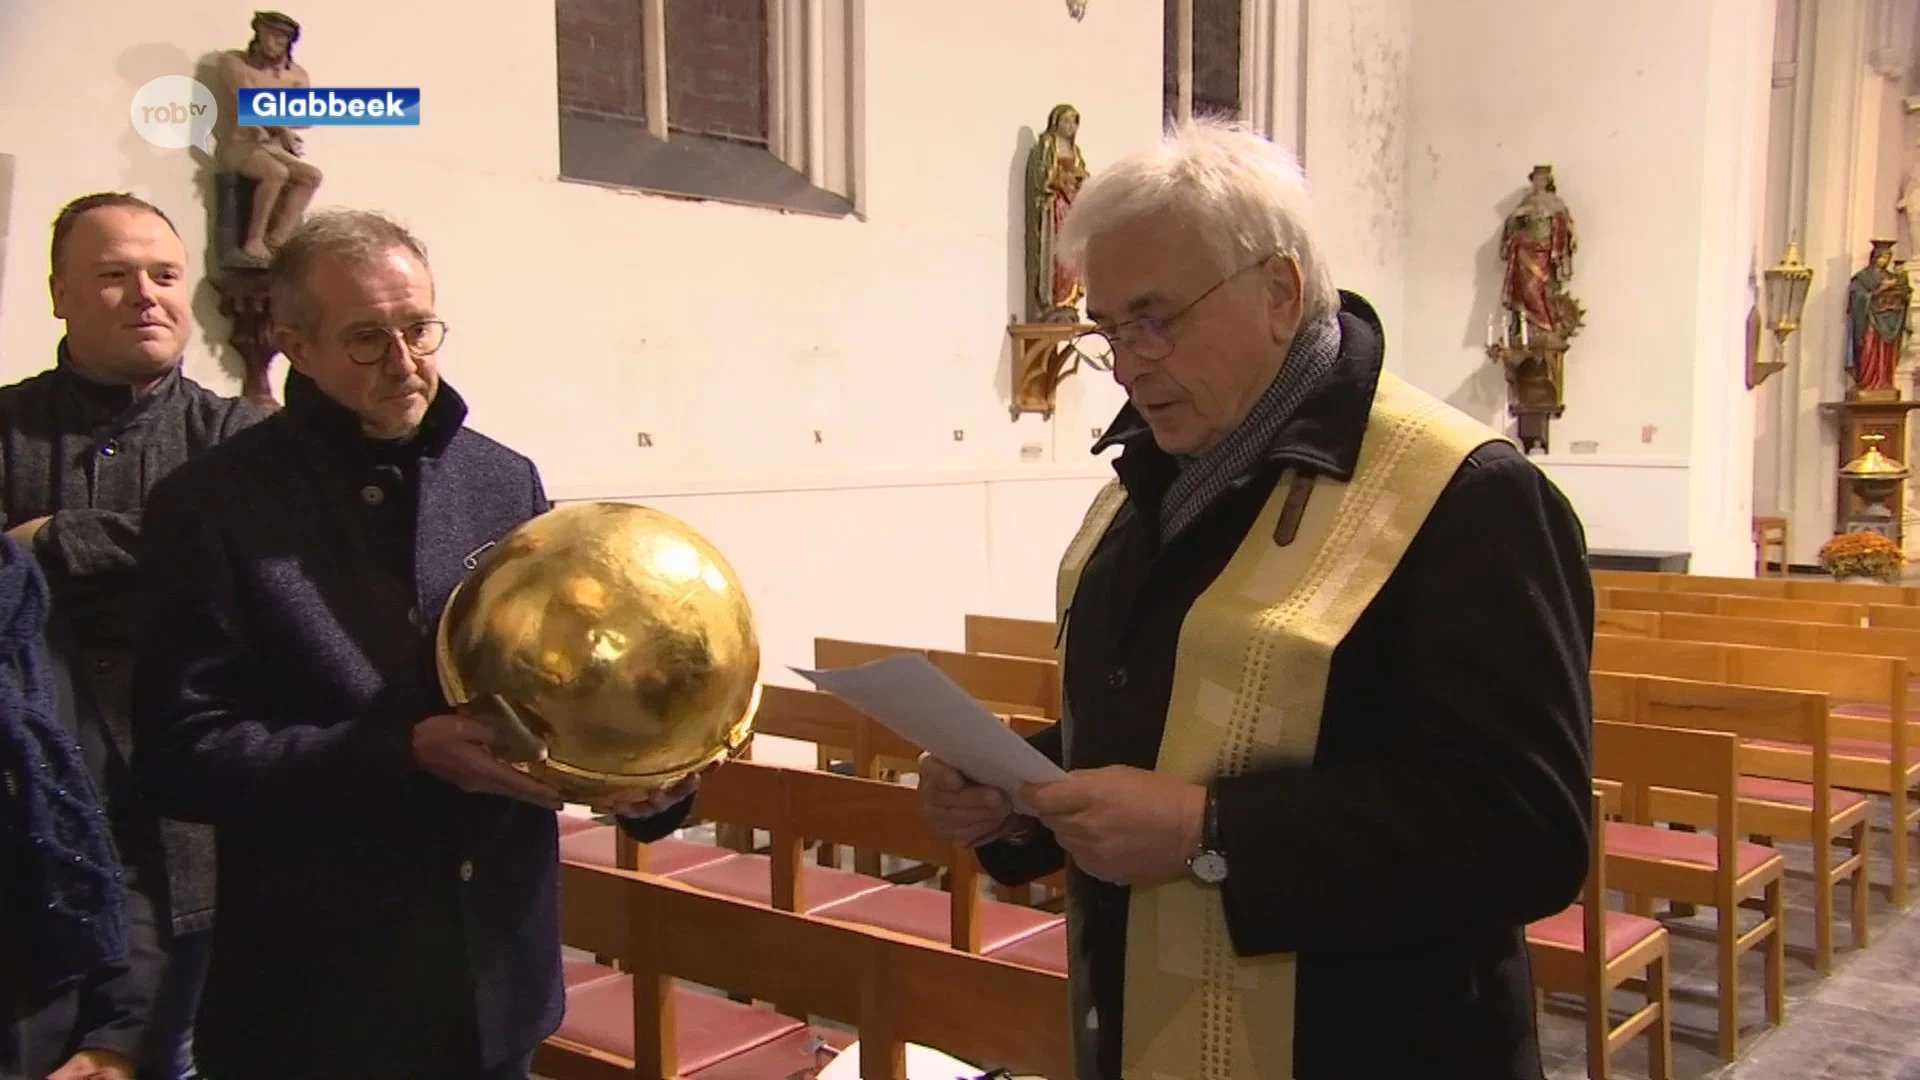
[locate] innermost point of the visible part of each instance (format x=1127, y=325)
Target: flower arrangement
x=1862, y=554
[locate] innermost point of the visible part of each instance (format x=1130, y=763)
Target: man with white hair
x=1328, y=752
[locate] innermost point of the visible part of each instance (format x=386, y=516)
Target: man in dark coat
x=81, y=445
x=1325, y=666
x=388, y=887
x=65, y=1012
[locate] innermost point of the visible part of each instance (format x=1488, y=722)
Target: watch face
x=1210, y=867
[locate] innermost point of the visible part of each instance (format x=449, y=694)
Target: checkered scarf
x=1205, y=477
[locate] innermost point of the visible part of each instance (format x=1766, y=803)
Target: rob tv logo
x=320, y=106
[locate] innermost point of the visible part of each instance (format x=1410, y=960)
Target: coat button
x=1117, y=678
x=372, y=495
x=111, y=448
x=413, y=615
x=466, y=870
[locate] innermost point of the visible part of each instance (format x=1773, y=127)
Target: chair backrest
x=1009, y=685
x=1753, y=607
x=894, y=990
x=818, y=717
x=1845, y=677
x=1895, y=616
x=1799, y=717
x=1001, y=636
x=1624, y=621
x=1773, y=633
x=1641, y=757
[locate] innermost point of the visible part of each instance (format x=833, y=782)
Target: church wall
x=1637, y=133
x=582, y=317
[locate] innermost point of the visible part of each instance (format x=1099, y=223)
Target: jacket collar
x=102, y=402
x=1323, y=437
x=337, y=426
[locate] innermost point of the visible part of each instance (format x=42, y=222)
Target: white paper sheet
x=919, y=703
x=922, y=1064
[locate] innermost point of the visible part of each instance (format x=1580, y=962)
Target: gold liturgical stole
x=1250, y=679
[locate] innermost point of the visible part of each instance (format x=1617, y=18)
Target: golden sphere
x=609, y=644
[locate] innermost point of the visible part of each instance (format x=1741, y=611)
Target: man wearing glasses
x=1324, y=659
x=388, y=888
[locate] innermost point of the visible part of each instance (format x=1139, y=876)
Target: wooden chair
x=1869, y=753
x=994, y=635
x=1770, y=533
x=1719, y=870
x=1815, y=813
x=1005, y=684
x=1591, y=951
x=644, y=1022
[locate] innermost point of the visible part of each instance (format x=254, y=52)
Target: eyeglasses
x=1149, y=337
x=370, y=345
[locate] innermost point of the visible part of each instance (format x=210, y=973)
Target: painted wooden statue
x=1877, y=301
x=1055, y=171
x=1538, y=243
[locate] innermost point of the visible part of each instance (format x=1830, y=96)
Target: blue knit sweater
x=65, y=903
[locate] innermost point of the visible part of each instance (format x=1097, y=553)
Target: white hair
x=1247, y=196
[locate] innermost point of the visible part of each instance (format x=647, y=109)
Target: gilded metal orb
x=609, y=644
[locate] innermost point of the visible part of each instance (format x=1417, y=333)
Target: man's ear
x=1286, y=296
x=57, y=290
x=290, y=344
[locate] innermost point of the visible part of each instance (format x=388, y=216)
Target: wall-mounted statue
x=1538, y=316
x=269, y=160
x=1538, y=244
x=1055, y=171
x=1878, y=297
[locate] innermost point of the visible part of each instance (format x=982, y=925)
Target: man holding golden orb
x=387, y=879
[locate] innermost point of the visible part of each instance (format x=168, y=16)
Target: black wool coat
x=374, y=921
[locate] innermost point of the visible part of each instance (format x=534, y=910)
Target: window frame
x=1272, y=66
x=815, y=96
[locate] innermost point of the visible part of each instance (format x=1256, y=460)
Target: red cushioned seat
x=669, y=856
x=1046, y=950
x=1794, y=793
x=573, y=823
x=1568, y=930
x=707, y=1028
x=928, y=913
x=1870, y=749
x=750, y=877
x=577, y=973
x=1701, y=849
x=783, y=1057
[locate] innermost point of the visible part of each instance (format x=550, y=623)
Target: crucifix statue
x=272, y=158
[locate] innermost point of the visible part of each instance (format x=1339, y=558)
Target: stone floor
x=1862, y=1022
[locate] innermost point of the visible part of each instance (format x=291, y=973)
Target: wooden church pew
x=1779, y=588
x=1816, y=813
x=1718, y=870
x=1894, y=616
x=1816, y=637
x=1592, y=951
x=642, y=1022
x=1869, y=753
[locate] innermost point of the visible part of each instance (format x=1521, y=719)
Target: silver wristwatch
x=1209, y=865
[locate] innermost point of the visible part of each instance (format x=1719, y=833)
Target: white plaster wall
x=1358, y=79
x=1647, y=116
x=583, y=316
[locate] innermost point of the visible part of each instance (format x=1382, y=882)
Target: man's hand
x=961, y=812
x=24, y=532
x=1120, y=824
x=646, y=802
x=94, y=1065
x=457, y=750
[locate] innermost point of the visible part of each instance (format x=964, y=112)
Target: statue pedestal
x=1536, y=381
x=1871, y=416
x=244, y=301
x=1041, y=358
